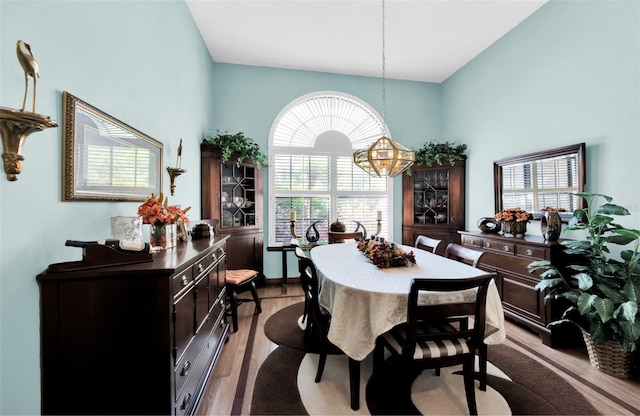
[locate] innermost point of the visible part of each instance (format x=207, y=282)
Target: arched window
x=311, y=169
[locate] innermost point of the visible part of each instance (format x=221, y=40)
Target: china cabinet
x=139, y=338
x=232, y=193
x=433, y=202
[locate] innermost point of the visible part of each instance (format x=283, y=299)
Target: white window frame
x=333, y=194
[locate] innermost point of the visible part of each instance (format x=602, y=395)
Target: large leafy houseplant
x=237, y=143
x=602, y=290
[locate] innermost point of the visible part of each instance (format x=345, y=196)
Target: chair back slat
x=311, y=287
x=464, y=254
x=456, y=311
x=427, y=243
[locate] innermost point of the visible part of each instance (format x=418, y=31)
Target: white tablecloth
x=366, y=301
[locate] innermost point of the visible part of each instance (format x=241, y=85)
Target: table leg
x=284, y=271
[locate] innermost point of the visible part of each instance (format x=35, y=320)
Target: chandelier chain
x=384, y=89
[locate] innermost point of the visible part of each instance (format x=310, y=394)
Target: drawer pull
x=487, y=245
x=200, y=268
x=185, y=280
x=186, y=367
x=185, y=401
x=505, y=248
x=529, y=252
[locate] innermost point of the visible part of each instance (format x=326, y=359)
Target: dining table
x=366, y=301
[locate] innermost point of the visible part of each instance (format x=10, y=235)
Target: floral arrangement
x=385, y=255
x=553, y=209
x=156, y=210
x=513, y=214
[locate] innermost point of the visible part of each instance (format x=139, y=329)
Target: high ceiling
x=425, y=40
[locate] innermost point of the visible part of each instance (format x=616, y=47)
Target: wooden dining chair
x=464, y=254
x=471, y=257
x=300, y=254
x=427, y=243
x=340, y=237
x=318, y=325
x=428, y=340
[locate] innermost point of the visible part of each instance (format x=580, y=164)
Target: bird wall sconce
x=16, y=125
x=177, y=171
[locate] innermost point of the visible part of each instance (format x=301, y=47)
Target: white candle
x=379, y=216
x=292, y=215
x=179, y=155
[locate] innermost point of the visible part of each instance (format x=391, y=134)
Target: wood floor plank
x=609, y=395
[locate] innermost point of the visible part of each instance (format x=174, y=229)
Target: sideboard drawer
x=181, y=281
x=471, y=241
x=503, y=247
x=534, y=253
x=184, y=323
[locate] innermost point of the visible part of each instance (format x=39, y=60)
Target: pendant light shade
x=361, y=159
x=385, y=157
x=389, y=158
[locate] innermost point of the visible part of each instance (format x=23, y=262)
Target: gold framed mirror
x=105, y=159
x=542, y=181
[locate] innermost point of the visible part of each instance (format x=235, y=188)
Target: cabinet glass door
x=431, y=196
x=238, y=198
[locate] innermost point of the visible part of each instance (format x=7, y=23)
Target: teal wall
x=142, y=62
x=248, y=99
x=568, y=74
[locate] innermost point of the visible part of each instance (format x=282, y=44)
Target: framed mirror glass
x=105, y=159
x=541, y=181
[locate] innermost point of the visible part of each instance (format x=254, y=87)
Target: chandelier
x=385, y=157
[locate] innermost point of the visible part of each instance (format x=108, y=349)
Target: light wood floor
x=611, y=396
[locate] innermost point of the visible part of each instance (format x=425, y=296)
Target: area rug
x=517, y=384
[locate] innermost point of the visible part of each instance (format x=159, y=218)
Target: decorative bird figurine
x=30, y=66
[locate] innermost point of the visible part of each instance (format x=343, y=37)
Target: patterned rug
x=285, y=383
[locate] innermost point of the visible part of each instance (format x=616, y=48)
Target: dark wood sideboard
x=134, y=339
x=522, y=303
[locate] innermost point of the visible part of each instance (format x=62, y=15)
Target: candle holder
x=177, y=171
x=173, y=174
x=292, y=228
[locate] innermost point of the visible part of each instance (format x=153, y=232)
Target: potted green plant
x=434, y=152
x=602, y=288
x=244, y=147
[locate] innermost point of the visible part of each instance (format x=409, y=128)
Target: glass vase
x=162, y=236
x=551, y=225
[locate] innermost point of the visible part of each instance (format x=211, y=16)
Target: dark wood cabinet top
x=526, y=239
x=164, y=262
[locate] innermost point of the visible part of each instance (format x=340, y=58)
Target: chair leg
x=469, y=385
x=354, y=381
x=233, y=299
x=321, y=363
x=256, y=299
x=483, y=366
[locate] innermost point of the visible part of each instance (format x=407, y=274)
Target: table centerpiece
x=385, y=254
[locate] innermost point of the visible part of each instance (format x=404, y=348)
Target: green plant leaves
x=243, y=147
x=434, y=152
x=604, y=290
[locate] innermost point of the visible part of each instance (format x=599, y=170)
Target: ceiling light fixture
x=385, y=157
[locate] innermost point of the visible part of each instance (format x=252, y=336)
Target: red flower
x=513, y=214
x=156, y=210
